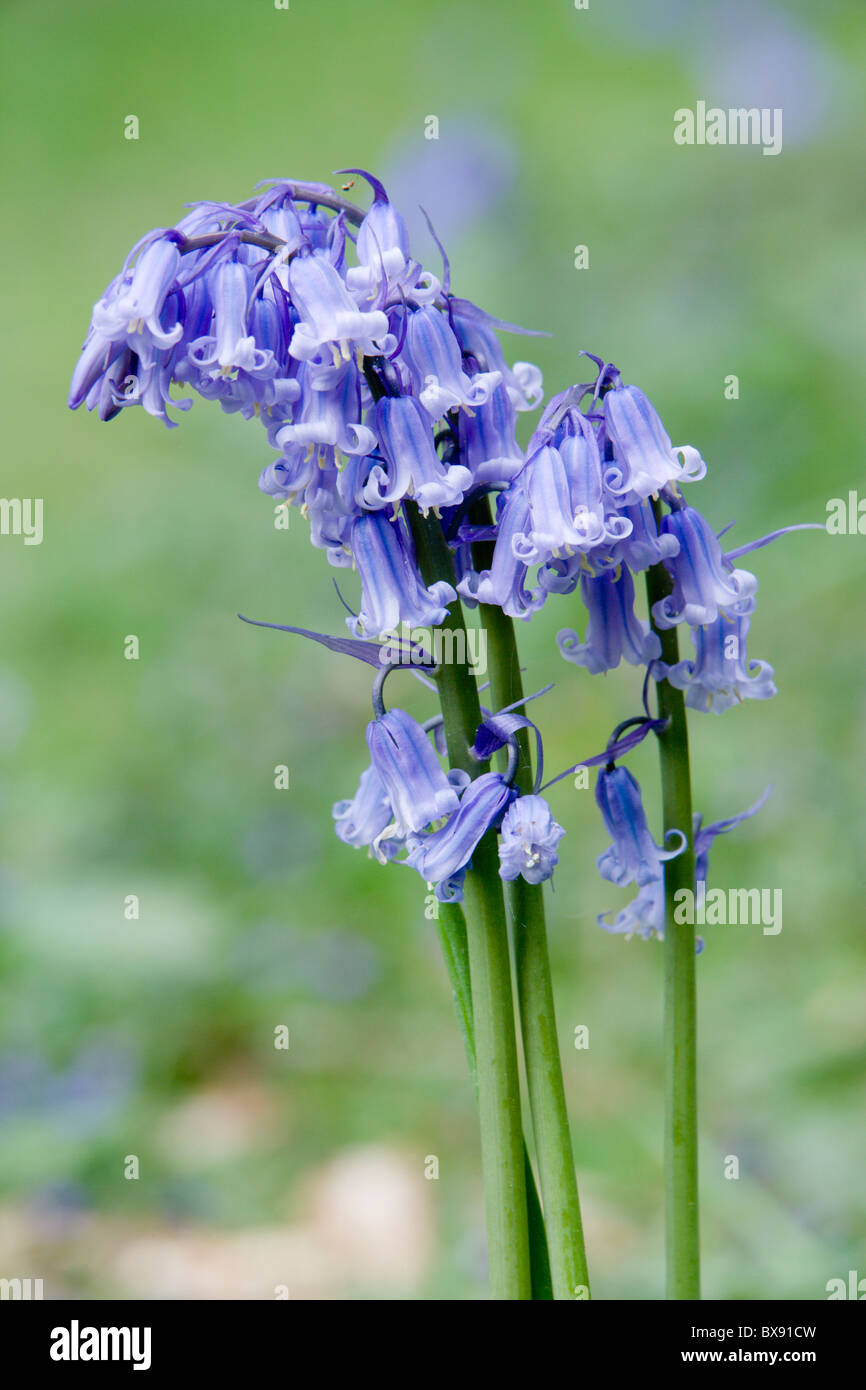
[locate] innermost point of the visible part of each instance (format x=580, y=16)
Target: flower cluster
x=406, y=802
x=389, y=403
x=597, y=502
x=583, y=512
x=350, y=368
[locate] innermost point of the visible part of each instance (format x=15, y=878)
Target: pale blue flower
x=411, y=466
x=614, y=631
x=704, y=583
x=432, y=354
x=414, y=784
x=487, y=440
x=504, y=583
x=530, y=836
x=133, y=303
x=329, y=318
x=328, y=415
x=644, y=460
x=392, y=590
x=721, y=675
x=362, y=819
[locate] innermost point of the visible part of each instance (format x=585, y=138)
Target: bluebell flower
x=564, y=489
x=231, y=346
x=644, y=458
x=633, y=857
x=113, y=373
x=412, y=468
x=597, y=522
x=361, y=820
x=329, y=318
x=487, y=440
x=392, y=590
x=303, y=478
x=386, y=271
x=327, y=419
x=98, y=355
x=148, y=385
x=504, y=584
x=197, y=315
x=432, y=354
x=330, y=519
x=403, y=757
x=270, y=395
x=133, y=303
x=644, y=916
x=441, y=854
x=382, y=243
x=704, y=583
x=289, y=475
x=551, y=521
x=530, y=836
x=643, y=546
x=721, y=674
x=614, y=631
x=558, y=505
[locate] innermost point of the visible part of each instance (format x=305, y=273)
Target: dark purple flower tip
x=379, y=193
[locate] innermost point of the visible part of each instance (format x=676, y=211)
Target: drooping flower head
x=643, y=458
x=633, y=857
x=361, y=820
x=721, y=674
x=644, y=916
x=614, y=631
x=357, y=360
x=402, y=755
x=440, y=855
x=704, y=584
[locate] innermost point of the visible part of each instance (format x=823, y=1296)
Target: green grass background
x=154, y=1037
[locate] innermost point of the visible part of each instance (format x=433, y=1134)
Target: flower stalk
x=557, y=1177
x=453, y=938
x=682, y=1245
x=502, y=1149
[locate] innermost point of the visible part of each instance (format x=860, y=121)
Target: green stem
x=680, y=1016
x=451, y=926
x=537, y=1014
x=502, y=1151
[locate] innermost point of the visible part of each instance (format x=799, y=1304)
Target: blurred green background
x=154, y=1037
